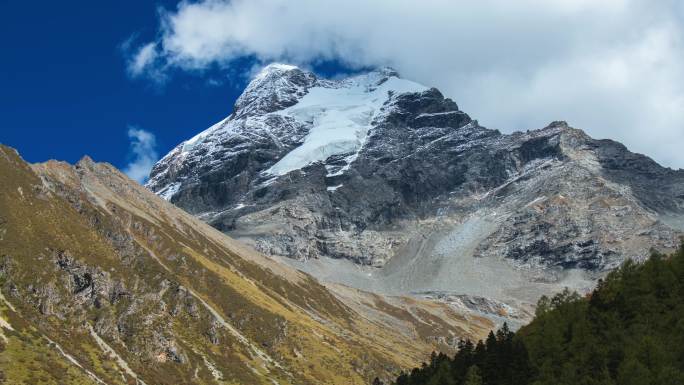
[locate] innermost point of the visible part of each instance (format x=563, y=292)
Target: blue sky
x=65, y=91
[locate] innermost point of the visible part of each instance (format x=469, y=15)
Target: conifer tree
x=473, y=376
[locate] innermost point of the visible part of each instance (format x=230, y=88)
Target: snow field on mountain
x=340, y=119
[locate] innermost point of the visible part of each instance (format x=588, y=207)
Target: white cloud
x=611, y=67
x=143, y=59
x=143, y=152
x=146, y=61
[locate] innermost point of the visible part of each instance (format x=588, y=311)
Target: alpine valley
x=382, y=184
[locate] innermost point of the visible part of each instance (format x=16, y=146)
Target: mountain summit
x=384, y=184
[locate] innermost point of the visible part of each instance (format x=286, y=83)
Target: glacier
x=340, y=118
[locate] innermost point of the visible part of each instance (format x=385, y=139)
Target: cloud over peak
x=611, y=67
x=143, y=151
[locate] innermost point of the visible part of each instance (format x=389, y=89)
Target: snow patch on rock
x=340, y=118
x=189, y=144
x=169, y=191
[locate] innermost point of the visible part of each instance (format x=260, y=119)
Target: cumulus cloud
x=143, y=151
x=610, y=67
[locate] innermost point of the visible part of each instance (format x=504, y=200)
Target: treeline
x=629, y=331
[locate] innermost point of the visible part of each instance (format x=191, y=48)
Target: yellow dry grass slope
x=115, y=285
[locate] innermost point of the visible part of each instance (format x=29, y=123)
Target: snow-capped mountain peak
x=307, y=118
x=275, y=87
x=274, y=68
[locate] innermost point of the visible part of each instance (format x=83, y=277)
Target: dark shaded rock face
x=546, y=200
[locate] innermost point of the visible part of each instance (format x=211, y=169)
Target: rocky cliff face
x=392, y=176
x=102, y=282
